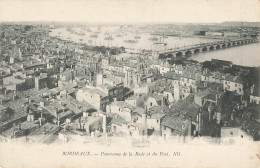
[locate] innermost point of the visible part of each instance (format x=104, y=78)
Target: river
x=141, y=43
x=246, y=55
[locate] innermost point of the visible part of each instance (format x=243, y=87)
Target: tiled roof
x=186, y=107
x=175, y=123
x=118, y=120
x=172, y=75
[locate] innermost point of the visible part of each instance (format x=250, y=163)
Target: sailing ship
x=93, y=35
x=137, y=36
x=161, y=41
x=108, y=37
x=81, y=33
x=153, y=38
x=131, y=40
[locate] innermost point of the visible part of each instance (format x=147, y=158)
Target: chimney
x=85, y=114
x=42, y=104
x=80, y=123
x=205, y=84
x=13, y=134
x=163, y=101
x=14, y=96
x=245, y=103
x=56, y=113
x=210, y=111
x=68, y=121
x=44, y=130
x=104, y=125
x=232, y=116
x=191, y=126
x=144, y=118
x=26, y=109
x=40, y=122
x=217, y=97
x=199, y=119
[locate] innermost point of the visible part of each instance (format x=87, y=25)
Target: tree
x=209, y=65
x=211, y=129
x=224, y=106
x=162, y=56
x=177, y=62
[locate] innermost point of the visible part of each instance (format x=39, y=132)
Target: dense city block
x=56, y=89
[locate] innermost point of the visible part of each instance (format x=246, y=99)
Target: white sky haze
x=196, y=11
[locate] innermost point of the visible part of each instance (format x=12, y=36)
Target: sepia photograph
x=129, y=83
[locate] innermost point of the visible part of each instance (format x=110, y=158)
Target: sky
x=194, y=11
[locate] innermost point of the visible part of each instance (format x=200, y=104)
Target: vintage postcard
x=129, y=83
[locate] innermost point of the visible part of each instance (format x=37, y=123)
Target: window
x=231, y=133
x=240, y=90
x=157, y=121
x=151, y=104
x=241, y=136
x=165, y=128
x=236, y=85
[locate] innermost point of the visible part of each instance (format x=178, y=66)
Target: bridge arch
x=228, y=44
x=188, y=53
x=217, y=47
x=224, y=46
x=204, y=49
x=170, y=55
x=211, y=48
x=196, y=51
x=179, y=55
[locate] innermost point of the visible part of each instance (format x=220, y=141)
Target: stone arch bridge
x=193, y=49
